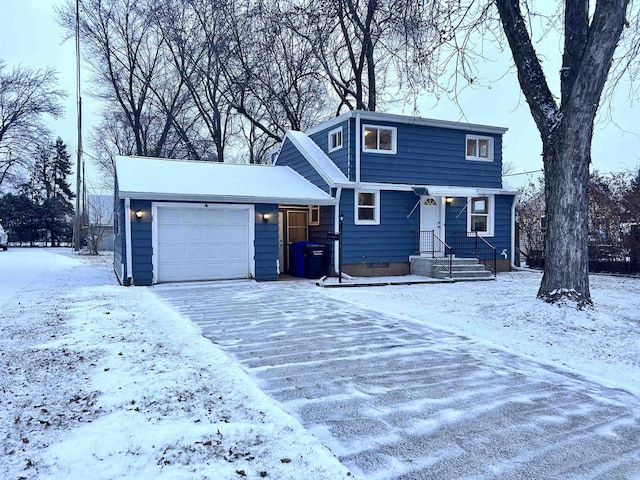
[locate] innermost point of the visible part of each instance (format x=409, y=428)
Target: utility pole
x=80, y=192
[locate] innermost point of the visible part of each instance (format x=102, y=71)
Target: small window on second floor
x=379, y=139
x=335, y=139
x=479, y=148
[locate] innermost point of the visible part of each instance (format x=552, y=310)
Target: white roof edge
x=452, y=189
x=323, y=201
x=391, y=117
x=331, y=182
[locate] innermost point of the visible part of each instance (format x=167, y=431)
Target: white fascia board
x=170, y=197
x=390, y=117
x=329, y=180
x=437, y=190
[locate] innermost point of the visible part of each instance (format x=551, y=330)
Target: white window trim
x=376, y=209
x=331, y=133
x=490, y=217
x=394, y=139
x=474, y=157
x=311, y=210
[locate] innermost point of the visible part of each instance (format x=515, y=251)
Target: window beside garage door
x=202, y=242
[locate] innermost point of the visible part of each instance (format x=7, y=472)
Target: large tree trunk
x=566, y=173
x=566, y=130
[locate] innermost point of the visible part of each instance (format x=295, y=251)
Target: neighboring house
x=399, y=184
x=100, y=222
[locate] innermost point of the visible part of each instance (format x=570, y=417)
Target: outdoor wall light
x=266, y=217
x=449, y=199
x=139, y=214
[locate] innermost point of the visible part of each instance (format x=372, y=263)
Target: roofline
x=190, y=160
x=325, y=176
x=390, y=117
x=405, y=187
x=194, y=197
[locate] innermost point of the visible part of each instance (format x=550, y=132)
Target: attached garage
x=179, y=221
x=202, y=242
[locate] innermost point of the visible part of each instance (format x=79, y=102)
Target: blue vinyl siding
x=456, y=221
x=343, y=156
x=502, y=228
x=431, y=156
x=266, y=242
x=391, y=241
x=142, y=249
x=290, y=156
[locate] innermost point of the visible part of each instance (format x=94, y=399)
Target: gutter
x=358, y=148
x=337, y=245
x=128, y=244
x=513, y=231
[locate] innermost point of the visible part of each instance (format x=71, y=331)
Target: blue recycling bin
x=297, y=258
x=308, y=259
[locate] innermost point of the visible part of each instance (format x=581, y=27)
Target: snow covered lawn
x=602, y=344
x=104, y=382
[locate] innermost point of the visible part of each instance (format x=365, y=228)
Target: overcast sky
x=29, y=35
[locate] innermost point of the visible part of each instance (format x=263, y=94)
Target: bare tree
x=27, y=95
x=133, y=73
x=274, y=78
x=370, y=50
x=566, y=129
x=100, y=219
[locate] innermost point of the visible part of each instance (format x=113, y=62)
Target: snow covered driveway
x=394, y=399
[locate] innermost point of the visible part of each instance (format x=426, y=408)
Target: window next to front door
x=480, y=213
x=367, y=203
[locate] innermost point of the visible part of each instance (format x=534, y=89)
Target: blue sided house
x=407, y=189
x=402, y=194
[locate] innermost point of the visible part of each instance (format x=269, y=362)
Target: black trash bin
x=314, y=259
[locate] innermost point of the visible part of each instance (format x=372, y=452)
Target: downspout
x=337, y=245
x=127, y=234
x=349, y=149
x=513, y=232
x=358, y=140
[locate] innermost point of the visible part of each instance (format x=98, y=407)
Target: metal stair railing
x=430, y=243
x=472, y=244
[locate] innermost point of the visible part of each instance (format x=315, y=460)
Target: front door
x=297, y=230
x=430, y=222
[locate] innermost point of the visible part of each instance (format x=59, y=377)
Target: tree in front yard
x=566, y=128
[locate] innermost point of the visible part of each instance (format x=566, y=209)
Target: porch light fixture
x=449, y=200
x=139, y=214
x=266, y=217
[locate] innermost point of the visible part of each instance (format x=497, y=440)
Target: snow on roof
x=186, y=180
x=317, y=158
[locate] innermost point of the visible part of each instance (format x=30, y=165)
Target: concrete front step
x=462, y=268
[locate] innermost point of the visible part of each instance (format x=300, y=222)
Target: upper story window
x=480, y=215
x=335, y=139
x=367, y=207
x=379, y=139
x=479, y=148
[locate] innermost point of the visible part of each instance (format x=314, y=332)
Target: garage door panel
x=202, y=243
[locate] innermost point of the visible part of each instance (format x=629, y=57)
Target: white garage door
x=203, y=243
